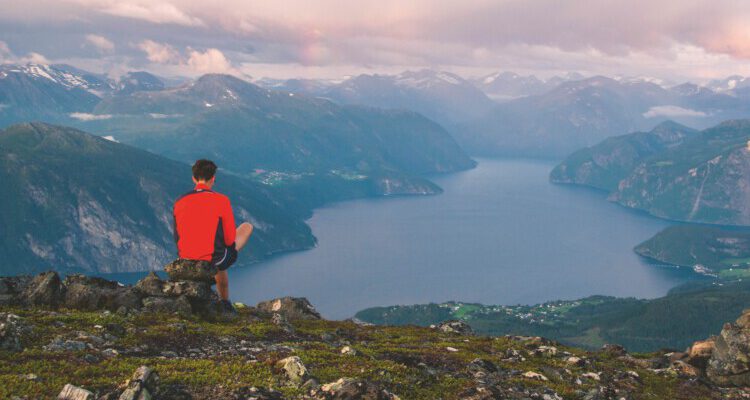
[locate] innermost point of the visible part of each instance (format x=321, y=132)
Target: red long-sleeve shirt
x=204, y=224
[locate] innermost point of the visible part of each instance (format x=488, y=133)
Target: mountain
x=77, y=202
x=441, y=96
x=138, y=81
x=604, y=165
x=671, y=172
x=687, y=313
x=309, y=87
x=577, y=114
x=250, y=129
x=720, y=251
x=504, y=86
x=43, y=92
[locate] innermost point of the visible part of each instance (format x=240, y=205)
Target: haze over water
x=500, y=234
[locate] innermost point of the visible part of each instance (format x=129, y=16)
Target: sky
x=668, y=39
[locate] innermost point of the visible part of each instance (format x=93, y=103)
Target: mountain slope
x=247, y=128
x=76, y=202
x=705, y=179
x=604, y=165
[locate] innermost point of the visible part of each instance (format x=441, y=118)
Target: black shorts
x=225, y=260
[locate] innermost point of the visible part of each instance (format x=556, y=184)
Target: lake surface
x=500, y=234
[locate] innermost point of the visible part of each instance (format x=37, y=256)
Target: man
x=204, y=227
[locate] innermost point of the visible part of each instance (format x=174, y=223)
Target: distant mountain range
x=77, y=202
x=503, y=86
x=672, y=172
x=581, y=113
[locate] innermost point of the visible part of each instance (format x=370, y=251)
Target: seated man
x=204, y=227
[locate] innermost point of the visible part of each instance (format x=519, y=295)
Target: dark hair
x=204, y=170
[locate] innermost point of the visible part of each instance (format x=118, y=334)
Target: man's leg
x=222, y=284
x=243, y=234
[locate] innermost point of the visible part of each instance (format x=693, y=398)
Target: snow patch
x=672, y=111
x=111, y=138
x=89, y=117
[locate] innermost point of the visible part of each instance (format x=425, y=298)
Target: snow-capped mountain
x=138, y=81
x=442, y=96
x=735, y=84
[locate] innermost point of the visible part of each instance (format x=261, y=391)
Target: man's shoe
x=228, y=307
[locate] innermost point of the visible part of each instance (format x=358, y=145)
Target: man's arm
x=227, y=218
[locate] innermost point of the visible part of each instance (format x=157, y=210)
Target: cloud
x=5, y=53
x=157, y=12
x=34, y=58
x=672, y=111
x=209, y=61
x=89, y=117
x=102, y=44
x=160, y=53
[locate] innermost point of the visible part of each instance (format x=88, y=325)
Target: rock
x=256, y=393
x=191, y=270
x=684, y=369
x=348, y=388
x=294, y=370
x=545, y=351
x=700, y=352
x=455, y=326
x=45, y=289
x=729, y=364
x=142, y=386
x=91, y=293
x=12, y=329
x=480, y=365
x=534, y=375
x=167, y=305
x=348, y=350
x=575, y=361
x=60, y=344
x=153, y=286
x=70, y=392
x=614, y=350
x=281, y=321
x=290, y=307
x=11, y=288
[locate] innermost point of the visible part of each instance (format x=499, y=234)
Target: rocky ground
x=53, y=344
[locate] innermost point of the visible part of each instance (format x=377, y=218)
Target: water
x=500, y=234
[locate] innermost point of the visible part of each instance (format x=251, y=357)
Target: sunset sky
x=670, y=39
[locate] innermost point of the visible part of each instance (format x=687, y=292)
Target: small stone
x=109, y=353
x=534, y=375
x=575, y=361
x=591, y=375
x=614, y=350
x=70, y=392
x=451, y=349
x=455, y=326
x=294, y=370
x=349, y=351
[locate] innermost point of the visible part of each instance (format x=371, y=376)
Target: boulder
x=153, y=286
x=349, y=388
x=191, y=270
x=729, y=364
x=91, y=293
x=12, y=329
x=45, y=289
x=290, y=307
x=294, y=370
x=11, y=288
x=167, y=305
x=70, y=392
x=699, y=353
x=614, y=350
x=455, y=326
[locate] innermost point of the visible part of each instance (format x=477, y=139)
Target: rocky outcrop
x=290, y=307
x=191, y=270
x=151, y=294
x=349, y=388
x=729, y=363
x=11, y=330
